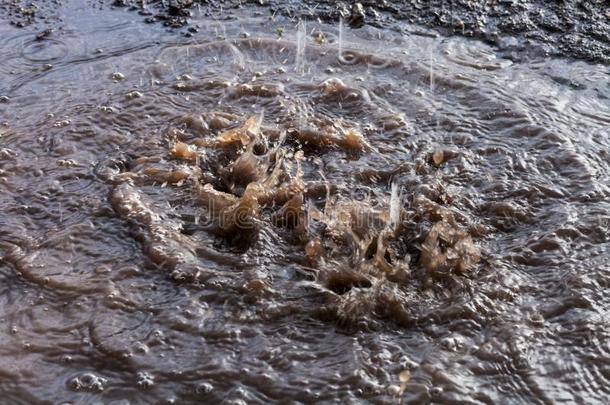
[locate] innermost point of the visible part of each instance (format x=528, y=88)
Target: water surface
x=272, y=211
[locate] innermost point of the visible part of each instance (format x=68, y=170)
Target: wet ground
x=519, y=29
x=254, y=210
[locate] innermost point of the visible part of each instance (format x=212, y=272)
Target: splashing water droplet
x=301, y=43
x=340, y=41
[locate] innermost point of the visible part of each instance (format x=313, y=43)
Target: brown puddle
x=242, y=218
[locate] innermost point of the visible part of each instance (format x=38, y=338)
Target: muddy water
x=269, y=211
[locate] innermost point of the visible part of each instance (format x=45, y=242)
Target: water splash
x=395, y=204
x=432, y=62
x=431, y=68
x=340, y=41
x=301, y=43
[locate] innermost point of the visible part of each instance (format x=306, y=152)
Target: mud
x=519, y=29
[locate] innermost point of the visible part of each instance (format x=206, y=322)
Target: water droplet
x=145, y=380
x=204, y=388
x=438, y=157
x=87, y=382
x=62, y=123
x=133, y=95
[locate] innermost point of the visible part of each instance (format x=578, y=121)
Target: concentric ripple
x=261, y=215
